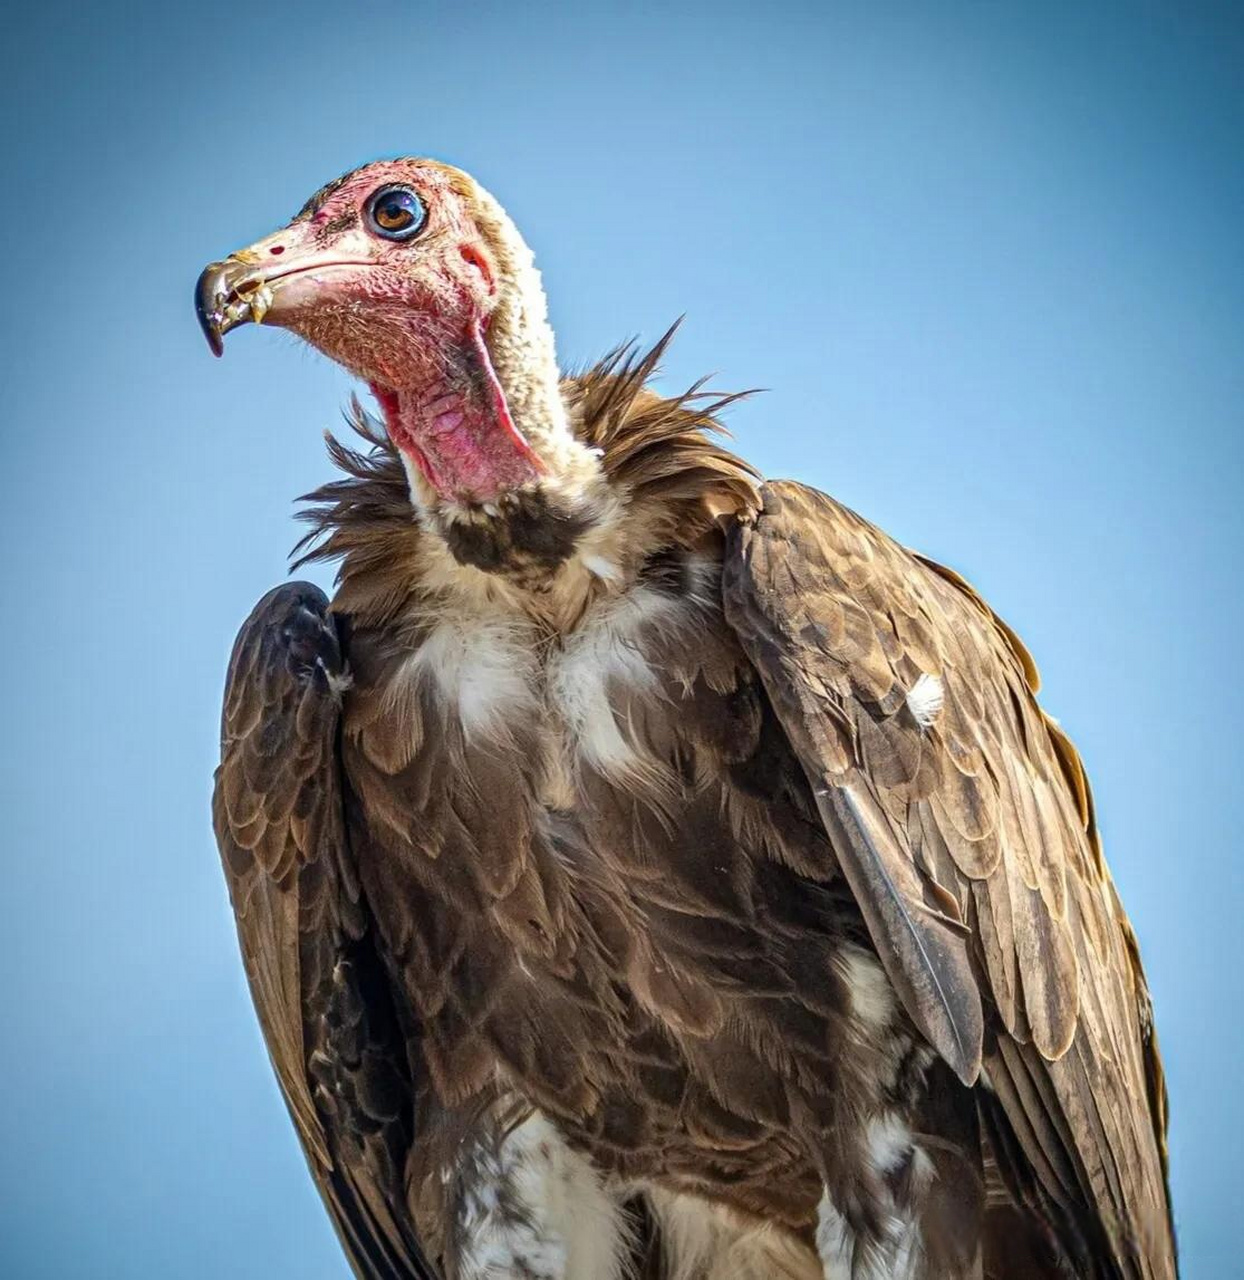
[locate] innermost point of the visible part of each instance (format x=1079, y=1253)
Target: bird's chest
x=566, y=846
x=494, y=761
x=522, y=798
x=564, y=712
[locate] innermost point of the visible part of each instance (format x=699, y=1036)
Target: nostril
x=277, y=249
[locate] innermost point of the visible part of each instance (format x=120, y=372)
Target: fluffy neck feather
x=505, y=419
x=665, y=483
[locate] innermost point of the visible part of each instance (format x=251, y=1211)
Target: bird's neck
x=486, y=422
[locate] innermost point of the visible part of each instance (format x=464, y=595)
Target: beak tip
x=211, y=293
x=205, y=307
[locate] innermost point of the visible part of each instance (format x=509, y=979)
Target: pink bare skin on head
x=389, y=272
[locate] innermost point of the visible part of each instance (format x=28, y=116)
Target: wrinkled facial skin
x=392, y=312
x=409, y=312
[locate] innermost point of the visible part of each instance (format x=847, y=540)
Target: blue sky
x=988, y=260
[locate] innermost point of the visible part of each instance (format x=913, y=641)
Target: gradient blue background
x=989, y=259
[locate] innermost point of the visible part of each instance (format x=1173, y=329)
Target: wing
x=319, y=988
x=964, y=825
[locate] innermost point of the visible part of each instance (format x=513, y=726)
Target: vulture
x=644, y=871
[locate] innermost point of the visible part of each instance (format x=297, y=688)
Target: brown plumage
x=682, y=849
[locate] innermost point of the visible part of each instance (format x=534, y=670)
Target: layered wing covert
x=964, y=825
x=320, y=988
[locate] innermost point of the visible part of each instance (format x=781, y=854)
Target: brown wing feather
x=319, y=987
x=970, y=844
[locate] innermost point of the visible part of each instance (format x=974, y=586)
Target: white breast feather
x=567, y=1225
x=604, y=656
x=705, y=1241
x=484, y=667
x=872, y=997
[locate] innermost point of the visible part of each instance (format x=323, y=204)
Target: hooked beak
x=228, y=294
x=245, y=287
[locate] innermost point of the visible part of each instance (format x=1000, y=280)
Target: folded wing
x=964, y=825
x=319, y=987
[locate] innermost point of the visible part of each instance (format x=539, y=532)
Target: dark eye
x=396, y=213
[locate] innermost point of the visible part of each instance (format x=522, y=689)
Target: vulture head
x=412, y=277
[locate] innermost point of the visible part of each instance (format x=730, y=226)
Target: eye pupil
x=397, y=213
